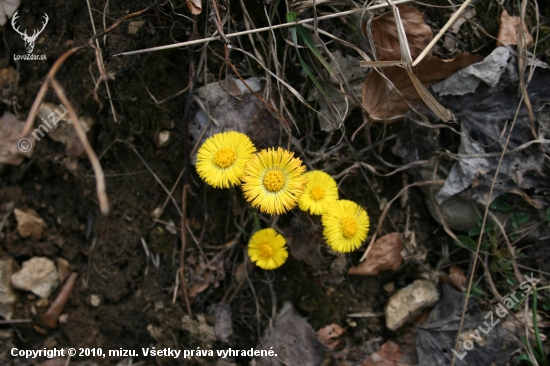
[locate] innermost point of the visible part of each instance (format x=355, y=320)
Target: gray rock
x=38, y=275
x=408, y=302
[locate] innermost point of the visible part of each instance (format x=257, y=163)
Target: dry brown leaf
x=384, y=33
x=385, y=105
x=390, y=354
x=509, y=29
x=12, y=149
x=328, y=333
x=384, y=255
x=195, y=6
x=457, y=275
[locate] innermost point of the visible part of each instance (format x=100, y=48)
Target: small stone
x=29, y=223
x=135, y=25
x=62, y=269
x=8, y=296
x=37, y=275
x=64, y=318
x=95, y=300
x=389, y=287
x=42, y=303
x=163, y=139
x=407, y=303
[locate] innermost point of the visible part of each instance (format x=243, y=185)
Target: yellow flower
x=222, y=158
x=346, y=226
x=267, y=249
x=274, y=180
x=320, y=194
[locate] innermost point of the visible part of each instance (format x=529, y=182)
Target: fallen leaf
x=383, y=104
x=7, y=8
x=458, y=276
x=328, y=333
x=384, y=255
x=509, y=29
x=12, y=149
x=384, y=33
x=195, y=6
x=390, y=354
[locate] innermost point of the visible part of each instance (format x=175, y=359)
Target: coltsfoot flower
x=320, y=194
x=273, y=180
x=267, y=249
x=346, y=226
x=221, y=158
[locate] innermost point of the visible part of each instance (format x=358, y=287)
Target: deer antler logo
x=29, y=40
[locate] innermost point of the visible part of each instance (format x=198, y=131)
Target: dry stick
x=387, y=208
x=98, y=171
x=100, y=63
x=440, y=34
x=51, y=316
x=485, y=215
x=258, y=30
x=187, y=157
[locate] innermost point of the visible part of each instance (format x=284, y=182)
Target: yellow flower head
x=346, y=226
x=320, y=194
x=274, y=180
x=222, y=157
x=267, y=249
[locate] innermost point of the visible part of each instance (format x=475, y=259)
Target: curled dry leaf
x=384, y=104
x=195, y=6
x=384, y=255
x=390, y=354
x=384, y=33
x=12, y=149
x=458, y=276
x=509, y=29
x=328, y=333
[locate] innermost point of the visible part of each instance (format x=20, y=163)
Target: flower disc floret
x=267, y=249
x=273, y=180
x=320, y=194
x=221, y=158
x=345, y=226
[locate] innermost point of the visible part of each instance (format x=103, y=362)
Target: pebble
x=29, y=223
x=38, y=275
x=407, y=303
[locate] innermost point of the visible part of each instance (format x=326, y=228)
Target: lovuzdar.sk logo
x=29, y=40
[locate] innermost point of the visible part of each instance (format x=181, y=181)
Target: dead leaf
x=384, y=33
x=13, y=149
x=384, y=255
x=457, y=275
x=206, y=273
x=195, y=6
x=390, y=354
x=328, y=333
x=509, y=29
x=383, y=104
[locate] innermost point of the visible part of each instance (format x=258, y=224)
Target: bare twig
x=98, y=171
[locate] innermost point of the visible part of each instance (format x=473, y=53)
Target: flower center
x=225, y=157
x=317, y=193
x=265, y=251
x=349, y=226
x=274, y=180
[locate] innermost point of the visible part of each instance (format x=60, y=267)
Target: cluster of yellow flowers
x=274, y=181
